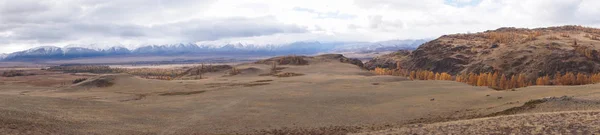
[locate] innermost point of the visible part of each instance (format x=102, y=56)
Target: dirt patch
x=182, y=93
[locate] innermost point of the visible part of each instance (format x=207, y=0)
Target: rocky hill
x=534, y=52
x=387, y=60
x=307, y=60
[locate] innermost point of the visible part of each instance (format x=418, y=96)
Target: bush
x=234, y=71
x=86, y=69
x=13, y=73
x=78, y=80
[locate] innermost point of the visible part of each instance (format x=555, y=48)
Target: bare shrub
x=86, y=69
x=78, y=80
x=288, y=74
x=13, y=73
x=553, y=38
x=234, y=71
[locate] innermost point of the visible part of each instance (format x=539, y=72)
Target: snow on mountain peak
x=97, y=47
x=44, y=50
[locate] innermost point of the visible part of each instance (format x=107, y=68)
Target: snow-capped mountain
x=166, y=49
x=3, y=55
x=38, y=52
x=97, y=47
x=116, y=50
x=73, y=52
x=298, y=48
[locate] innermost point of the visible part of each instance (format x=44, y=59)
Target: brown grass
x=553, y=38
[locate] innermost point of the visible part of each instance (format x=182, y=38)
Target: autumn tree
x=493, y=81
x=544, y=80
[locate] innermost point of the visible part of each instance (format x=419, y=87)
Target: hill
x=533, y=52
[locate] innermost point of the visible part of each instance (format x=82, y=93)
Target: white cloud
x=28, y=23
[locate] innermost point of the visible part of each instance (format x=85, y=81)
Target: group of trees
x=13, y=73
x=155, y=73
x=394, y=72
x=494, y=80
x=569, y=78
x=429, y=75
x=97, y=69
x=414, y=75
x=497, y=80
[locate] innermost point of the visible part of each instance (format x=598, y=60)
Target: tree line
x=496, y=80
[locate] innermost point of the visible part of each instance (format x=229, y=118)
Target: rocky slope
x=534, y=52
x=387, y=60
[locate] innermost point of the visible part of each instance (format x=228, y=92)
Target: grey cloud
x=22, y=7
x=48, y=22
x=233, y=27
x=398, y=4
x=324, y=15
x=190, y=31
x=375, y=21
x=559, y=11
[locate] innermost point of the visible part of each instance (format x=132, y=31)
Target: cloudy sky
x=30, y=23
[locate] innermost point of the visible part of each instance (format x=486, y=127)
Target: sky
x=131, y=23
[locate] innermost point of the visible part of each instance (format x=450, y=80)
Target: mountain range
x=296, y=48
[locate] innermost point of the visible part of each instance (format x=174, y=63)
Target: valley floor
x=330, y=98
